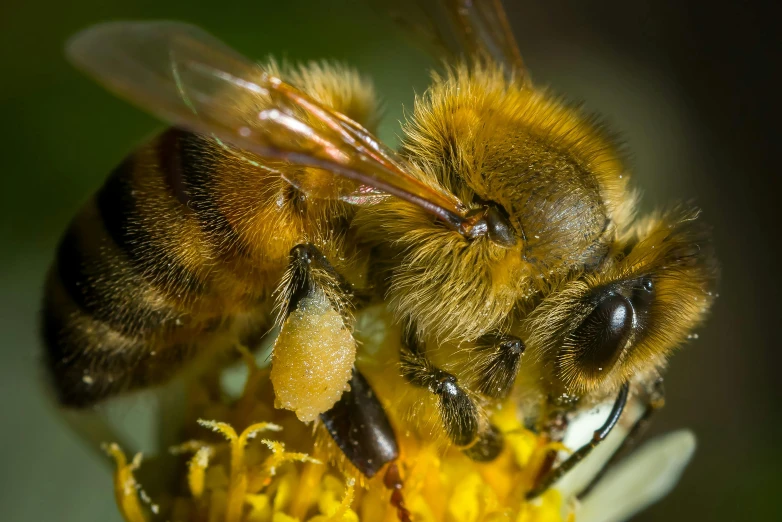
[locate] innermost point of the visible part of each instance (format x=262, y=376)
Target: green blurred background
x=689, y=87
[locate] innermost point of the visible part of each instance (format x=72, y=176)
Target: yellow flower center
x=282, y=470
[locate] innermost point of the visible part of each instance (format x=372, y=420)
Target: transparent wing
x=190, y=79
x=453, y=28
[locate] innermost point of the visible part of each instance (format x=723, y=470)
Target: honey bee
x=502, y=235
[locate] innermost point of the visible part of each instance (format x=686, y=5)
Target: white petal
x=640, y=480
x=580, y=432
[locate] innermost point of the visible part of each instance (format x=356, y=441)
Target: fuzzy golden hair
x=553, y=169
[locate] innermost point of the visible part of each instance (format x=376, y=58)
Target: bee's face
x=622, y=320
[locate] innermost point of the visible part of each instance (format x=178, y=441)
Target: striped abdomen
x=180, y=250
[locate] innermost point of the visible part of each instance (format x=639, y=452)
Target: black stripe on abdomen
x=104, y=289
x=81, y=374
x=171, y=164
x=118, y=207
x=89, y=365
x=198, y=169
x=62, y=361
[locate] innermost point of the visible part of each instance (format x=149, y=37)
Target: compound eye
x=600, y=338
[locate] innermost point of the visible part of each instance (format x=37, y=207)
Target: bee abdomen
x=128, y=301
x=153, y=264
x=106, y=328
x=103, y=296
x=124, y=219
x=89, y=361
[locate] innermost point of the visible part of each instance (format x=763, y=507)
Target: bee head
x=603, y=327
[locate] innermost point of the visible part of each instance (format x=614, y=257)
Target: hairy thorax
x=549, y=169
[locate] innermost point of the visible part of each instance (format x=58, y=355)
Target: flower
x=251, y=462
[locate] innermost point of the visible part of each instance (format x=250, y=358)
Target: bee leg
x=598, y=436
x=457, y=411
x=361, y=429
x=313, y=355
x=310, y=271
x=500, y=364
x=655, y=400
x=488, y=445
